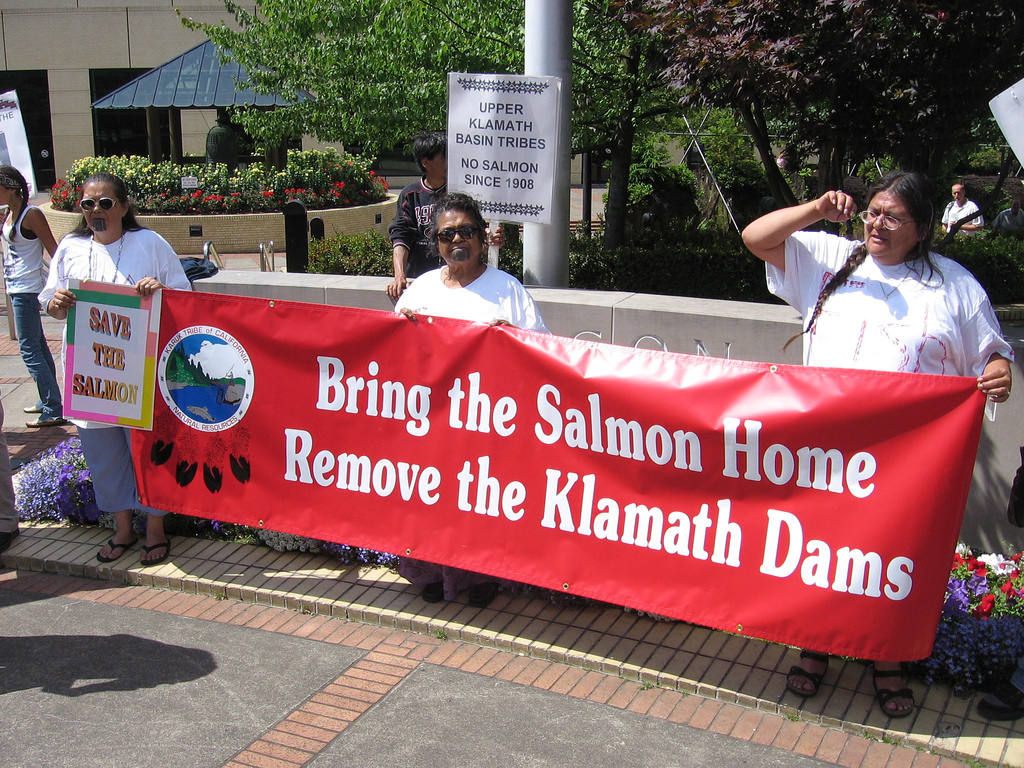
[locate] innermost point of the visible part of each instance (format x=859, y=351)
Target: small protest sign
x=110, y=365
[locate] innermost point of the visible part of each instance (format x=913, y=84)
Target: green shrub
x=985, y=160
x=997, y=261
x=731, y=155
x=676, y=259
x=320, y=179
x=365, y=254
x=658, y=186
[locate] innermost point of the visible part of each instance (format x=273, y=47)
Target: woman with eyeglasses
x=110, y=246
x=26, y=236
x=885, y=303
x=465, y=288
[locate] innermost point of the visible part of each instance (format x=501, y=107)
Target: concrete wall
x=735, y=330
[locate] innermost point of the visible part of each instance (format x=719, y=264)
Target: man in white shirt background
x=960, y=207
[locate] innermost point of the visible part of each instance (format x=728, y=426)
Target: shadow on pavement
x=77, y=665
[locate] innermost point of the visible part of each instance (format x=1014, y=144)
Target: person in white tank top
x=26, y=235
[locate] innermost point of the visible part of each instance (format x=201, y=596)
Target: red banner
x=808, y=506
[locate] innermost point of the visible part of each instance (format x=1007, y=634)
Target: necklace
x=888, y=294
x=117, y=263
x=895, y=288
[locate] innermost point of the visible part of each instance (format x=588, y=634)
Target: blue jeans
x=36, y=353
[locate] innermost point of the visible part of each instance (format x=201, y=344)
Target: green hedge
x=677, y=259
x=997, y=261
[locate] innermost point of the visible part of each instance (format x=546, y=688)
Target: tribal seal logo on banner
x=206, y=378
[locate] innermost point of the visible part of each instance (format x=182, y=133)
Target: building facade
x=61, y=55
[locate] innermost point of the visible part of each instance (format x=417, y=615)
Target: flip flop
x=156, y=560
x=116, y=550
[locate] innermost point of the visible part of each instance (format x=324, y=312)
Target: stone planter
x=243, y=232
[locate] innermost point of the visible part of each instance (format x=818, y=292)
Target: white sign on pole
x=503, y=142
x=1008, y=109
x=13, y=140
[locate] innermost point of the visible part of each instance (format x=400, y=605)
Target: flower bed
x=981, y=633
x=243, y=232
x=320, y=179
x=237, y=212
x=56, y=486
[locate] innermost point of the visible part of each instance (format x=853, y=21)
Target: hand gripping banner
x=808, y=506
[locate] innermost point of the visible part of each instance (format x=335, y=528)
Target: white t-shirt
x=495, y=295
x=888, y=318
x=954, y=213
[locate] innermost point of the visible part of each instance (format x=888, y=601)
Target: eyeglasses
x=466, y=233
x=105, y=203
x=881, y=220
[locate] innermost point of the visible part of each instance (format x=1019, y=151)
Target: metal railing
x=267, y=257
x=210, y=252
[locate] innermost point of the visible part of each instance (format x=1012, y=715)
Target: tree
x=844, y=79
x=378, y=71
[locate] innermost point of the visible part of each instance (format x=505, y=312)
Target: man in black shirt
x=410, y=248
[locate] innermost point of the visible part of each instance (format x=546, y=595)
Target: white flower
x=999, y=564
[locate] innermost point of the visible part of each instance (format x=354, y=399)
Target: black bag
x=1015, y=509
x=198, y=267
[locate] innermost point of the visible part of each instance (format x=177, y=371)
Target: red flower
x=984, y=608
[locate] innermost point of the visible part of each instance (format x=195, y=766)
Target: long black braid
x=915, y=191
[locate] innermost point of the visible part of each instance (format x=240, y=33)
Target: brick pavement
x=391, y=654
x=605, y=655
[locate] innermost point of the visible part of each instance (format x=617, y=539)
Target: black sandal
x=815, y=678
x=116, y=550
x=164, y=545
x=884, y=696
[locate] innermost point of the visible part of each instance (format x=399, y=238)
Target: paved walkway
x=384, y=678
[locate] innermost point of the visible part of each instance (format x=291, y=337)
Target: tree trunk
x=622, y=158
x=752, y=118
x=618, y=187
x=830, y=165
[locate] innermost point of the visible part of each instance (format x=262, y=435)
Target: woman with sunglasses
x=465, y=288
x=110, y=246
x=885, y=303
x=26, y=235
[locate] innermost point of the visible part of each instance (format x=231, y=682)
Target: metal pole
x=549, y=52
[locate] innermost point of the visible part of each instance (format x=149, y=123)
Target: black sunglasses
x=105, y=203
x=466, y=233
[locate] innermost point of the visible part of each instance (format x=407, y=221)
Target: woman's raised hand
x=836, y=205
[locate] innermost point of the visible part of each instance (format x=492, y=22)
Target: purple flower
x=957, y=600
x=978, y=585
